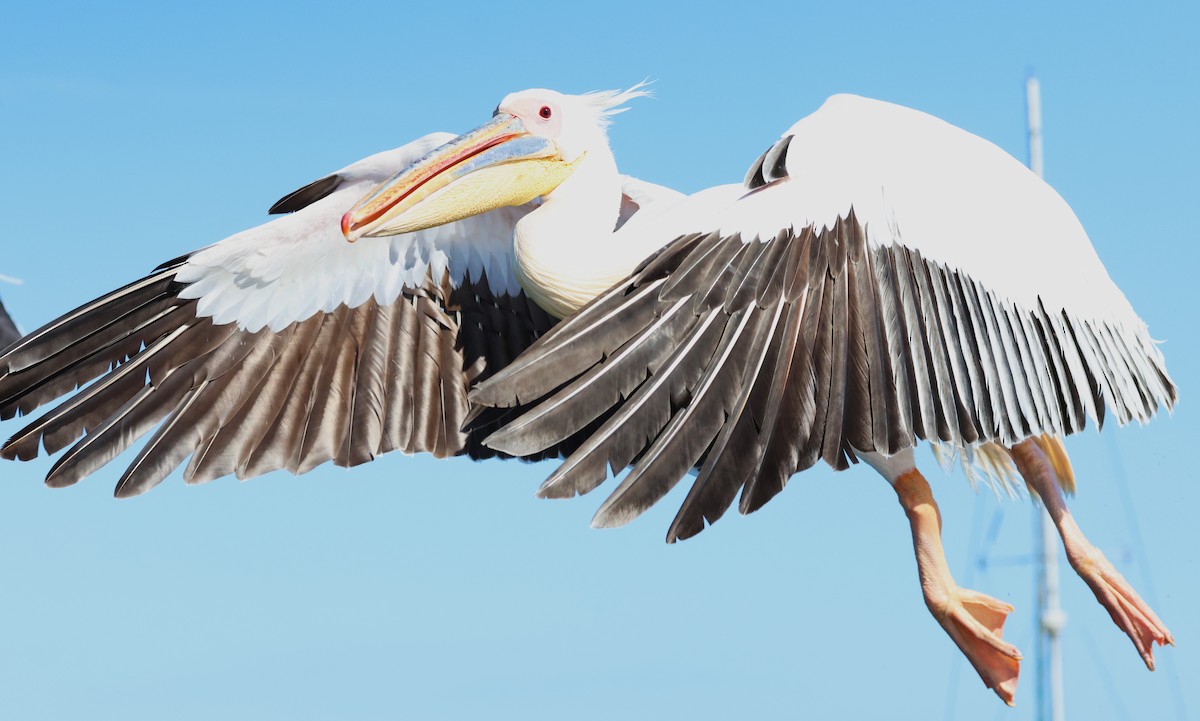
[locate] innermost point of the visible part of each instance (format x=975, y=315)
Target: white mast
x=1051, y=617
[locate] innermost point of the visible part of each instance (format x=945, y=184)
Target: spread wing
x=280, y=347
x=881, y=278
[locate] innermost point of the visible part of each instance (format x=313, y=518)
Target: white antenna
x=1051, y=617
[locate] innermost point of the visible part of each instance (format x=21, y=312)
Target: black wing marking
x=309, y=194
x=770, y=166
x=8, y=329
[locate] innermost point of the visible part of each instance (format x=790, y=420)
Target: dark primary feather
x=582, y=401
x=770, y=166
x=945, y=392
x=749, y=362
x=740, y=449
x=957, y=359
x=679, y=445
x=344, y=386
x=309, y=194
x=8, y=329
x=637, y=420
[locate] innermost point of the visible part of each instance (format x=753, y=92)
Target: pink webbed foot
x=975, y=622
x=1127, y=609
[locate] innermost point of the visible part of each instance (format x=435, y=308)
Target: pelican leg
x=1126, y=607
x=974, y=621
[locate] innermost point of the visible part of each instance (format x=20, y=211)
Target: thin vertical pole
x=1051, y=617
x=1033, y=104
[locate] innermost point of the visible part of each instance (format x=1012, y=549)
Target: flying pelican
x=867, y=286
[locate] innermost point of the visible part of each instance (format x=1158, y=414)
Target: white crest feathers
x=607, y=103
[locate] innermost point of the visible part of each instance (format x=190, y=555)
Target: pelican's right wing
x=283, y=346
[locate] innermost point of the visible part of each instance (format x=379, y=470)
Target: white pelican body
x=880, y=278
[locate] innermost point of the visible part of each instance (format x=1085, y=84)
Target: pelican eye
x=545, y=112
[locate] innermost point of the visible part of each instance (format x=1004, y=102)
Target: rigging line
x=956, y=658
x=1102, y=669
x=989, y=540
x=1139, y=556
x=980, y=543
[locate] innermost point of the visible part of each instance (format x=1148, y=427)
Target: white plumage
x=292, y=267
x=287, y=269
x=918, y=181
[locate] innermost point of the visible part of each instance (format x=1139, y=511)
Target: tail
x=991, y=464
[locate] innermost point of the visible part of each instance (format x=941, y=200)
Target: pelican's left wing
x=881, y=277
x=283, y=346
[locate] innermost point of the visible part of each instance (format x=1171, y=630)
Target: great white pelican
x=863, y=289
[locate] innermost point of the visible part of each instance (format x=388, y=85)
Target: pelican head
x=535, y=140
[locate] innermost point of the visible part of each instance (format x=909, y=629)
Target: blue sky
x=418, y=589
